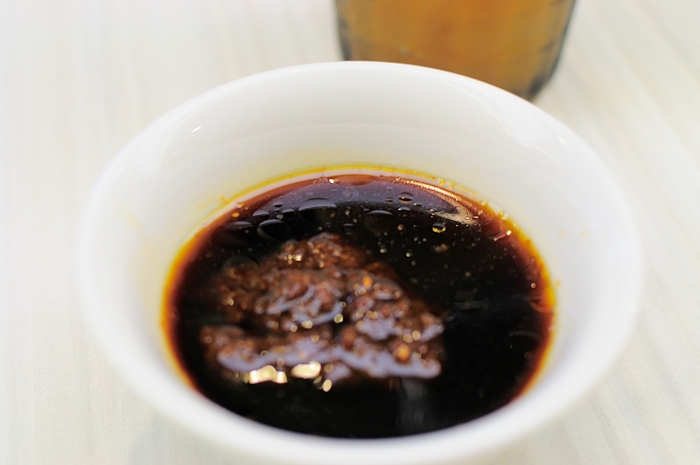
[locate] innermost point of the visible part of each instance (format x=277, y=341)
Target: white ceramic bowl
x=172, y=178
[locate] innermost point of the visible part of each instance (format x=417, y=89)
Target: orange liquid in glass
x=513, y=44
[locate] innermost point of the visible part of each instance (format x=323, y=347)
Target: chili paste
x=360, y=306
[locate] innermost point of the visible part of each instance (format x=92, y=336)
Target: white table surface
x=79, y=78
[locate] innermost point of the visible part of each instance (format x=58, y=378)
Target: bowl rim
x=440, y=446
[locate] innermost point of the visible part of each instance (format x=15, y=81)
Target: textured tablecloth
x=79, y=78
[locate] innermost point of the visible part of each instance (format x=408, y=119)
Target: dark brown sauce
x=473, y=296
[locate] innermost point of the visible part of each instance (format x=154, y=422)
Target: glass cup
x=513, y=44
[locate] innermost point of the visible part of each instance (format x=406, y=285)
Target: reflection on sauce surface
x=360, y=306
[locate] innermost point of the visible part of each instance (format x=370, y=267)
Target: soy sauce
x=468, y=271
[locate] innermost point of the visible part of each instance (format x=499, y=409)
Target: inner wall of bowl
x=173, y=178
x=237, y=142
